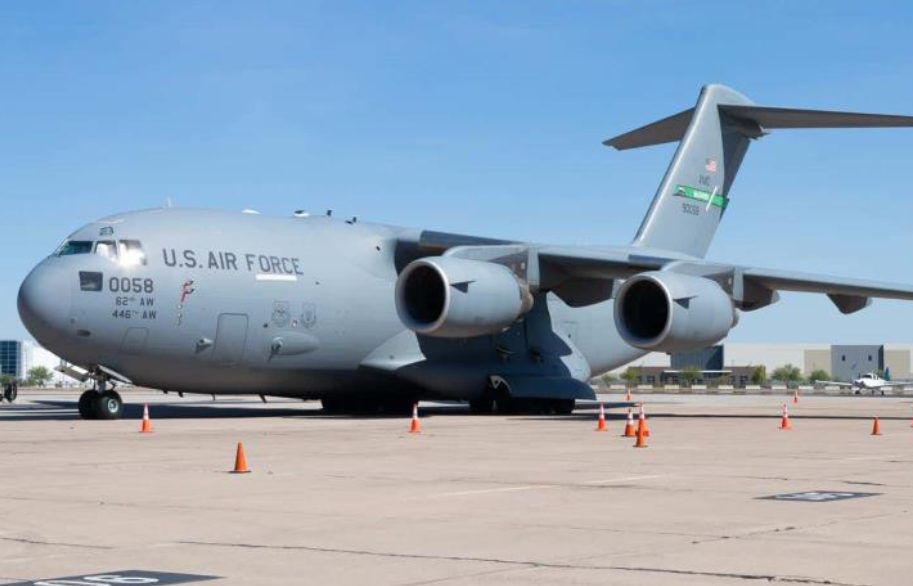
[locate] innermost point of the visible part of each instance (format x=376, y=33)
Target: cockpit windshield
x=74, y=247
x=131, y=252
x=106, y=248
x=125, y=252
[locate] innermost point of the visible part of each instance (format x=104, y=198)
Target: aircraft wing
x=586, y=275
x=833, y=383
x=753, y=286
x=582, y=275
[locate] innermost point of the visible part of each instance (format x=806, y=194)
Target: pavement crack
x=52, y=543
x=518, y=563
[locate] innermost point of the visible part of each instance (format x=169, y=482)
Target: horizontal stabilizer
x=662, y=131
x=793, y=118
x=758, y=119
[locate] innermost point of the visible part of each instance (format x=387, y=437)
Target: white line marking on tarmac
x=548, y=486
x=502, y=489
x=876, y=457
x=626, y=479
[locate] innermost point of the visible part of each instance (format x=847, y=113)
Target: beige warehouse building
x=842, y=362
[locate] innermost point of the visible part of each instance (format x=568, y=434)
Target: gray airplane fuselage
x=314, y=307
x=222, y=302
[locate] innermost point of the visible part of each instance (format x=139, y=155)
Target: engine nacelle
x=450, y=297
x=670, y=312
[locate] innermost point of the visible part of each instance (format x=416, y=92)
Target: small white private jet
x=870, y=381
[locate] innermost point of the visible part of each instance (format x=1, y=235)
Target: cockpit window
x=90, y=281
x=75, y=247
x=106, y=248
x=131, y=252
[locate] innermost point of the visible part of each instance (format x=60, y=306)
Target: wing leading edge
x=750, y=287
x=753, y=286
x=586, y=275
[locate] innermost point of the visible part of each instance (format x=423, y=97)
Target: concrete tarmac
x=520, y=500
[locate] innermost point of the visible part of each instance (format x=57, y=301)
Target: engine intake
x=448, y=297
x=670, y=312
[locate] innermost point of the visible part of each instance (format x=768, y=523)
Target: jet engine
x=670, y=312
x=449, y=297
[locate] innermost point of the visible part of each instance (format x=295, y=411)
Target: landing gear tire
x=109, y=405
x=482, y=406
x=507, y=405
x=332, y=406
x=515, y=406
x=11, y=392
x=398, y=406
x=563, y=406
x=87, y=402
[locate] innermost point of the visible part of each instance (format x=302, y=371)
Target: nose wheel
x=101, y=404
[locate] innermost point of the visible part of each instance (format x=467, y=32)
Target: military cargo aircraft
x=372, y=317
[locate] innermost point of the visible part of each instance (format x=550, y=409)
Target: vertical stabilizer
x=714, y=135
x=694, y=193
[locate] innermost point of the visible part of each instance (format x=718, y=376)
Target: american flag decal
x=710, y=165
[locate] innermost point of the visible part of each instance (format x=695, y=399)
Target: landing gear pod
x=450, y=297
x=669, y=312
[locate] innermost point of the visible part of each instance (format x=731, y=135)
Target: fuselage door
x=231, y=336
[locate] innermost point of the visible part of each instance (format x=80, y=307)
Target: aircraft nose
x=44, y=303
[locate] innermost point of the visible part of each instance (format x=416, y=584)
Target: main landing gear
x=101, y=402
x=496, y=397
x=515, y=406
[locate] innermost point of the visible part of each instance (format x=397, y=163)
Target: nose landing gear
x=101, y=402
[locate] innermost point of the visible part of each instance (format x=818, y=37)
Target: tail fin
x=714, y=137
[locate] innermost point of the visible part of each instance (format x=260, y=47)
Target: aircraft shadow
x=622, y=416
x=66, y=411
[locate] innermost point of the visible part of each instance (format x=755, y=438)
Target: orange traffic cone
x=796, y=397
x=629, y=426
x=240, y=461
x=146, y=427
x=642, y=421
x=601, y=426
x=628, y=397
x=784, y=419
x=415, y=426
x=876, y=427
x=641, y=433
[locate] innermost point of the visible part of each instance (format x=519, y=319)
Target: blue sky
x=476, y=117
